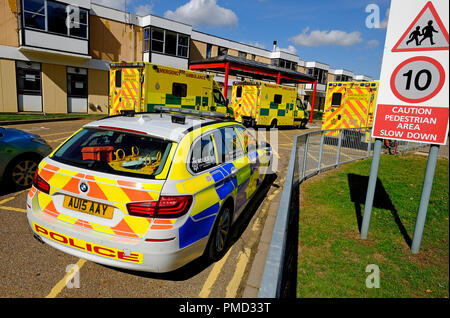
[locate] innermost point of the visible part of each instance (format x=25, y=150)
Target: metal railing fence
x=311, y=153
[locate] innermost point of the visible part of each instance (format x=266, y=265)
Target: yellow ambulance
x=349, y=105
x=141, y=86
x=267, y=104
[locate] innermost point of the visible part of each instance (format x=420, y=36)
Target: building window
x=253, y=57
x=77, y=82
x=183, y=45
x=242, y=55
x=28, y=78
x=208, y=50
x=146, y=43
x=319, y=74
x=166, y=42
x=284, y=64
x=222, y=51
x=157, y=40
x=34, y=14
x=55, y=17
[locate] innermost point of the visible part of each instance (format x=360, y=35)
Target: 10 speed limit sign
x=413, y=101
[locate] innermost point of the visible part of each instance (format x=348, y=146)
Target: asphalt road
x=31, y=269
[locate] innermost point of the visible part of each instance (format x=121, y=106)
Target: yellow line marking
x=212, y=277
x=6, y=200
x=10, y=208
x=235, y=281
x=63, y=282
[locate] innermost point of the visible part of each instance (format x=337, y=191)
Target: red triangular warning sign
x=426, y=33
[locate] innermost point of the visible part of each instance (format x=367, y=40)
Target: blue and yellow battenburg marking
x=215, y=187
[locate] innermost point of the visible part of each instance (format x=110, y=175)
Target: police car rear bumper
x=132, y=254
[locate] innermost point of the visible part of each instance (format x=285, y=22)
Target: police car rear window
x=115, y=152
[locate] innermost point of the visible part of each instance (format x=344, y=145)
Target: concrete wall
x=8, y=21
x=8, y=89
x=54, y=88
x=114, y=41
x=98, y=91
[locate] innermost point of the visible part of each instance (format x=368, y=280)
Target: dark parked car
x=20, y=154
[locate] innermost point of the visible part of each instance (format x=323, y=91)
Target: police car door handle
x=233, y=171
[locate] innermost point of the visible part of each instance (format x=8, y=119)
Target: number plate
x=89, y=207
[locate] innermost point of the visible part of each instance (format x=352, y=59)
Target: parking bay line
x=212, y=277
x=63, y=282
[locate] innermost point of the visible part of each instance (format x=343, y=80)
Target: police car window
x=179, y=90
x=248, y=139
x=202, y=155
x=336, y=99
x=228, y=144
x=115, y=152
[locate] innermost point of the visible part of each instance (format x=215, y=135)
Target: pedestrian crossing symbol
x=426, y=33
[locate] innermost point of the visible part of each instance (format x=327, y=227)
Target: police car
x=147, y=192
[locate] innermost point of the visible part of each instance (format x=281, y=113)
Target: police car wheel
x=220, y=234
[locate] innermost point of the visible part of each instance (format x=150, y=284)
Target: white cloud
x=321, y=38
x=203, y=13
x=144, y=9
x=371, y=44
x=384, y=23
x=290, y=49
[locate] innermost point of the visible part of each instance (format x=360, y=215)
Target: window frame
x=191, y=151
x=84, y=80
x=46, y=20
x=21, y=91
x=178, y=46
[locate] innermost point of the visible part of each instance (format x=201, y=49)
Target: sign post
x=413, y=97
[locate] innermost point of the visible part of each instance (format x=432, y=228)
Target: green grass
x=27, y=116
x=332, y=258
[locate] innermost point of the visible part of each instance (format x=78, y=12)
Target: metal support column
x=425, y=198
x=312, y=102
x=371, y=188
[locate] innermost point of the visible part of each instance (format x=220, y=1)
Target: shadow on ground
x=358, y=190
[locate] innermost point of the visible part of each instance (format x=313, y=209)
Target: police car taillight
x=40, y=184
x=166, y=207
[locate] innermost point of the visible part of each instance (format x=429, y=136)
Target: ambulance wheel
x=220, y=235
x=274, y=124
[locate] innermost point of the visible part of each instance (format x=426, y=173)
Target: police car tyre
x=219, y=238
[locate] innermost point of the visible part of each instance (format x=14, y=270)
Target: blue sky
x=330, y=32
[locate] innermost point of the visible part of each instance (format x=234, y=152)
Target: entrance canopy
x=231, y=65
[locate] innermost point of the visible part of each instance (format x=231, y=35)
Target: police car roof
x=163, y=125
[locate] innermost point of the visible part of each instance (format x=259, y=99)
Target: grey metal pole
x=338, y=153
x=371, y=188
x=425, y=198
x=305, y=156
x=319, y=163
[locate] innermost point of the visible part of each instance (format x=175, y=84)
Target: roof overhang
x=242, y=67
